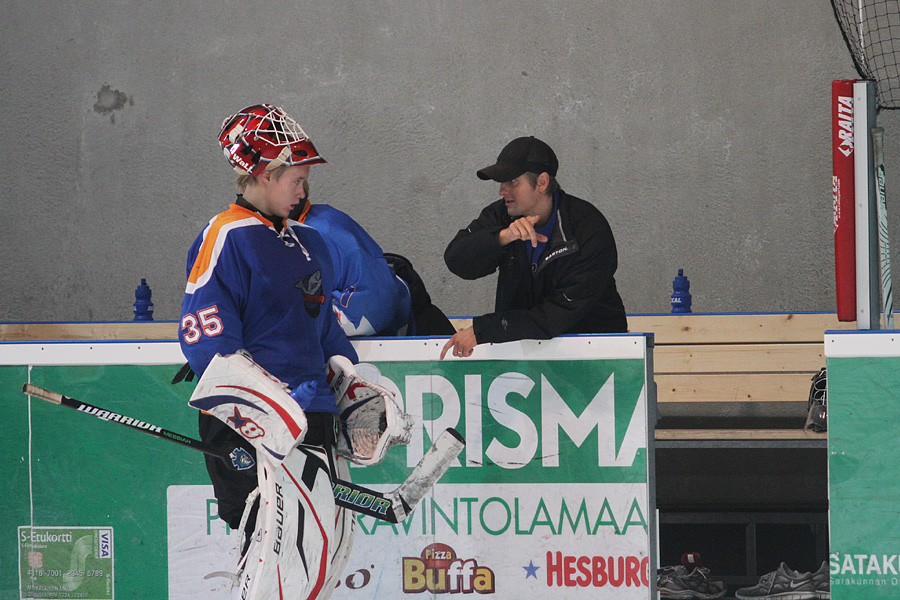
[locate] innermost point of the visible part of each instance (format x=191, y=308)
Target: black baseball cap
x=524, y=154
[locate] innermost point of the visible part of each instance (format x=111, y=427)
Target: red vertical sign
x=842, y=182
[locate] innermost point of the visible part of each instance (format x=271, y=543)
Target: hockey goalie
x=259, y=281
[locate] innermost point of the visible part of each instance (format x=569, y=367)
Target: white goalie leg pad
x=371, y=420
x=290, y=554
x=244, y=396
x=344, y=530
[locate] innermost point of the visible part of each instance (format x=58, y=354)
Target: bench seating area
x=88, y=331
x=736, y=376
x=738, y=479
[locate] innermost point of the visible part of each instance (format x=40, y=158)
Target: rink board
x=552, y=495
x=863, y=471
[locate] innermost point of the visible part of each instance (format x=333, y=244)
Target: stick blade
x=430, y=469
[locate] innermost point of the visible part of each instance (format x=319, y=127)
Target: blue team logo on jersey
x=241, y=459
x=313, y=299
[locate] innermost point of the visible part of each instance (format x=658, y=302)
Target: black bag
x=429, y=319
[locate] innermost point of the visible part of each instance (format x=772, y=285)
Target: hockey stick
x=106, y=415
x=887, y=296
x=393, y=506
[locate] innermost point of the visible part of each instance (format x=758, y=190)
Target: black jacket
x=573, y=289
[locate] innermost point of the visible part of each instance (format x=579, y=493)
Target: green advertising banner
x=863, y=459
x=63, y=471
x=551, y=497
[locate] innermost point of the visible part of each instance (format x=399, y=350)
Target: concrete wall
x=701, y=128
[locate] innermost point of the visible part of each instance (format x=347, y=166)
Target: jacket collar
x=561, y=242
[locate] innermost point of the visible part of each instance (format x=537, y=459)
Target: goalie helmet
x=817, y=417
x=262, y=137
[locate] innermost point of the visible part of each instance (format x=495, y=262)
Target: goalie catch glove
x=371, y=419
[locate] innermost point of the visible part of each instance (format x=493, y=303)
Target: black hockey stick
x=884, y=246
x=393, y=506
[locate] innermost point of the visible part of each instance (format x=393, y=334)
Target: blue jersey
x=368, y=298
x=250, y=287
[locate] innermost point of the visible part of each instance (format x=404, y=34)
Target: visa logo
x=105, y=543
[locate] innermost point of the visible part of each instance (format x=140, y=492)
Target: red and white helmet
x=262, y=137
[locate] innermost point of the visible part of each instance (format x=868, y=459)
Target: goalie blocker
x=250, y=402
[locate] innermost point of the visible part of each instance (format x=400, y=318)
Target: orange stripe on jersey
x=207, y=253
x=303, y=213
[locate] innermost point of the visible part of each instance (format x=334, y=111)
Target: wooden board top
x=667, y=329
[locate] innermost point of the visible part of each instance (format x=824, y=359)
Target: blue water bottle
x=681, y=293
x=143, y=307
x=305, y=392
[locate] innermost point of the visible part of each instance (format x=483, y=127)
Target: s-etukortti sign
x=65, y=563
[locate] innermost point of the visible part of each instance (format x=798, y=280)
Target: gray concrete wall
x=701, y=128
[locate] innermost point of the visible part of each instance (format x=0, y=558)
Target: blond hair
x=245, y=181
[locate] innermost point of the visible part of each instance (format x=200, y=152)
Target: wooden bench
x=736, y=376
x=719, y=377
x=734, y=466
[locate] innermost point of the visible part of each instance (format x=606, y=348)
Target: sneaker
x=663, y=572
x=822, y=582
x=781, y=584
x=676, y=582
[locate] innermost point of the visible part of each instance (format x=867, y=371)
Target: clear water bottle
x=681, y=293
x=143, y=306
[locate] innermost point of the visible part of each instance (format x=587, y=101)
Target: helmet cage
x=262, y=137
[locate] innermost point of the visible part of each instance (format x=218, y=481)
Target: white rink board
x=551, y=498
x=540, y=538
x=471, y=524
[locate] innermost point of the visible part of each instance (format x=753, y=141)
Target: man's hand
x=463, y=343
x=522, y=229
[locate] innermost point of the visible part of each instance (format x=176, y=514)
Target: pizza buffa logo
x=438, y=570
x=533, y=417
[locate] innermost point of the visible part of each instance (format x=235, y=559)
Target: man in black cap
x=555, y=252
